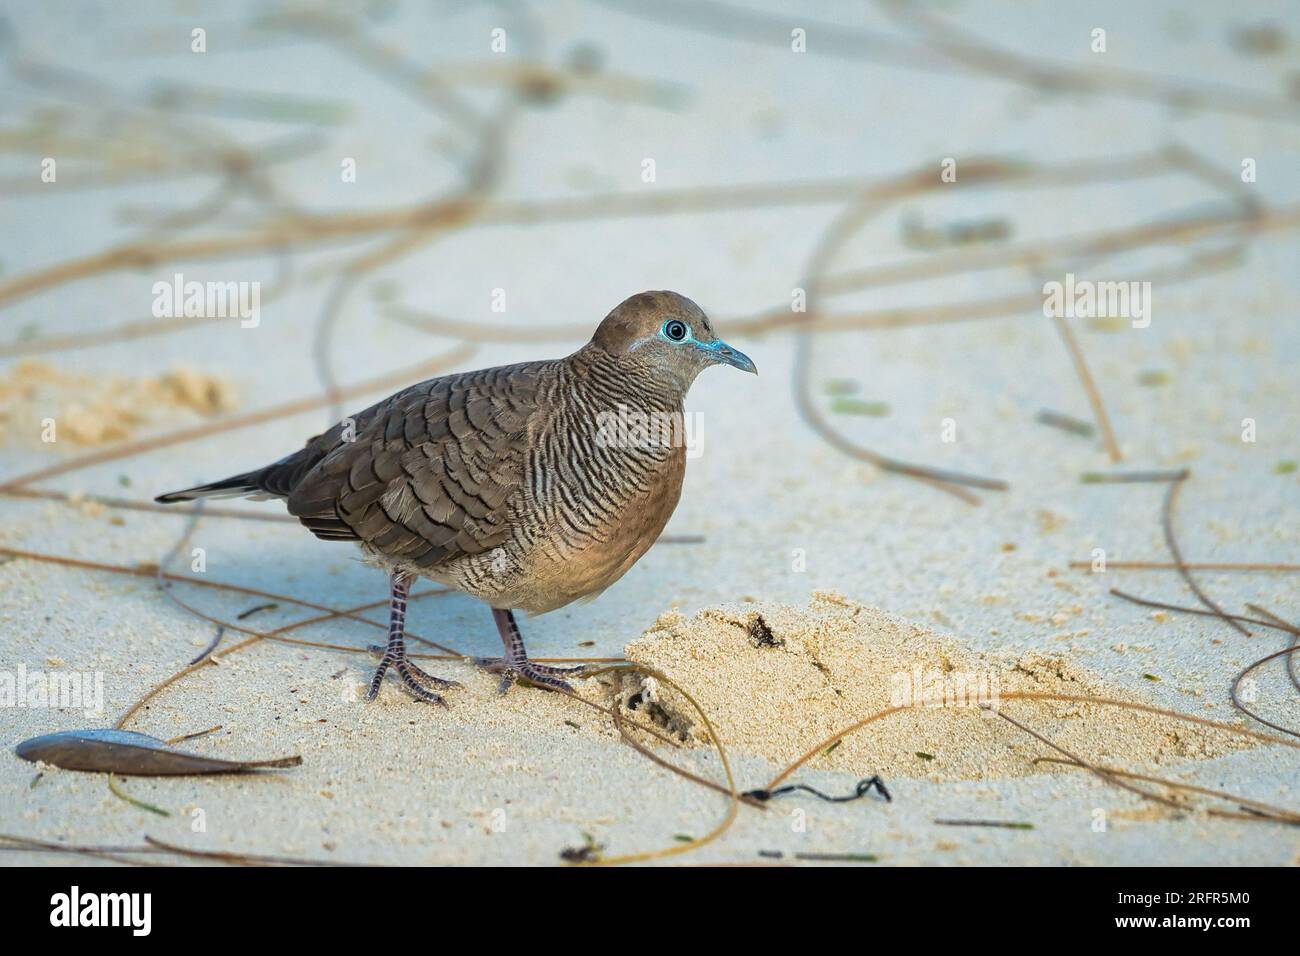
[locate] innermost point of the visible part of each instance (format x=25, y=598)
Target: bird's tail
x=237, y=486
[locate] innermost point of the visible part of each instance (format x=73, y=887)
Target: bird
x=526, y=486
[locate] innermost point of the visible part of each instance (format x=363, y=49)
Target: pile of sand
x=776, y=680
x=98, y=409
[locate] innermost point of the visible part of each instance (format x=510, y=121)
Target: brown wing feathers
x=428, y=473
x=428, y=477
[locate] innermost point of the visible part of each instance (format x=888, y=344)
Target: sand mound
x=97, y=409
x=777, y=680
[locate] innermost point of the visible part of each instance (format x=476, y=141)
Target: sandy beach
x=800, y=586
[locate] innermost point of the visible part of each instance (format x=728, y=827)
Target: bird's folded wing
x=431, y=470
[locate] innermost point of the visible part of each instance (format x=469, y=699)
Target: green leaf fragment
x=858, y=406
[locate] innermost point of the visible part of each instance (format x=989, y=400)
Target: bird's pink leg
x=515, y=665
x=413, y=677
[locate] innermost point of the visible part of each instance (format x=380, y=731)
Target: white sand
x=509, y=780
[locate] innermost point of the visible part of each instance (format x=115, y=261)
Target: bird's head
x=669, y=333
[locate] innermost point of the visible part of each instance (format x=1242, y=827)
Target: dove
x=526, y=486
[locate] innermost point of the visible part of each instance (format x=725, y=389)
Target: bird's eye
x=675, y=331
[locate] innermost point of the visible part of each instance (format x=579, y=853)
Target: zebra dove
x=526, y=486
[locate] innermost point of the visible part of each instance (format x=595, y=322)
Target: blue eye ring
x=675, y=330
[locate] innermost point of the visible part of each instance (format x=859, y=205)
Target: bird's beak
x=722, y=353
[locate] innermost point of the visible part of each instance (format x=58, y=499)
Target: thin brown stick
x=1131, y=477
x=283, y=410
x=946, y=265
x=649, y=754
x=1167, y=523
x=1089, y=387
x=309, y=228
x=1283, y=815
x=840, y=231
x=1035, y=695
x=125, y=332
x=1148, y=602
x=1289, y=650
x=245, y=859
x=782, y=318
x=940, y=47
x=1165, y=231
x=1054, y=76
x=150, y=570
x=1066, y=423
x=315, y=229
x=128, y=504
x=1191, y=566
x=1104, y=775
x=1295, y=637
x=194, y=735
x=114, y=854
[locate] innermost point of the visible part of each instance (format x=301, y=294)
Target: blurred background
x=868, y=198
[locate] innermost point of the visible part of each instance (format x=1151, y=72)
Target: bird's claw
x=540, y=675
x=414, y=678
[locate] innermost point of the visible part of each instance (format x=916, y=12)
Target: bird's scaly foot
x=416, y=680
x=542, y=675
x=515, y=665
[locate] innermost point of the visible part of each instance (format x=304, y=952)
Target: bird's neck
x=624, y=380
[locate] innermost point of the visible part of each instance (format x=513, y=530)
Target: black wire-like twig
x=864, y=787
